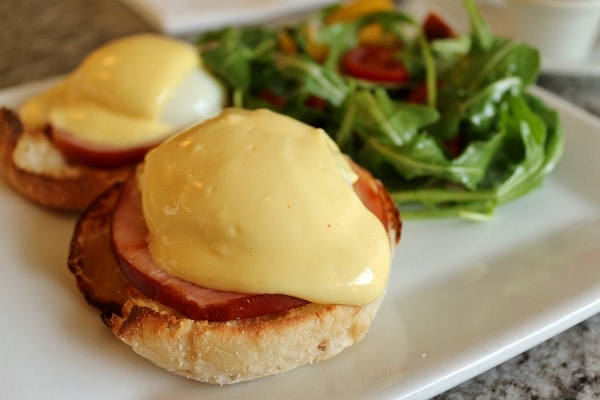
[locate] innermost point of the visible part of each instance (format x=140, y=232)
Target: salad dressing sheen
x=257, y=202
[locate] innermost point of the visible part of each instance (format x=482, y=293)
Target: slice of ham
x=377, y=199
x=130, y=246
x=129, y=242
x=96, y=155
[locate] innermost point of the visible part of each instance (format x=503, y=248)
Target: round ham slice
x=129, y=242
x=129, y=234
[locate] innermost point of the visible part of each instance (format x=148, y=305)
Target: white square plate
x=178, y=17
x=462, y=298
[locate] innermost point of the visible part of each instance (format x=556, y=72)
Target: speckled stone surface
x=40, y=39
x=566, y=367
x=44, y=38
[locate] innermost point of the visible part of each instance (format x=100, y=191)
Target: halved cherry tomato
x=316, y=102
x=455, y=146
x=271, y=97
x=100, y=156
x=375, y=63
x=419, y=94
x=435, y=27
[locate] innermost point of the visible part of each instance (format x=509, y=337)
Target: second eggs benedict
x=123, y=99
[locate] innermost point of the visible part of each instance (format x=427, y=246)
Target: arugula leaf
x=314, y=78
x=480, y=31
x=228, y=53
x=388, y=120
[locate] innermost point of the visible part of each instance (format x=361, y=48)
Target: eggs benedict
x=122, y=100
x=249, y=246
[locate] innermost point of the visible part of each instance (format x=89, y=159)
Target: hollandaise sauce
x=257, y=202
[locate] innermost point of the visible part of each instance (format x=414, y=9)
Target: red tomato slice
x=96, y=155
x=375, y=63
x=435, y=27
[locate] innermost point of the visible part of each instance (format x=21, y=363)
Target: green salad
x=445, y=121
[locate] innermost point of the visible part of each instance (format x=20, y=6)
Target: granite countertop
x=43, y=39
